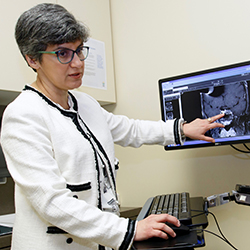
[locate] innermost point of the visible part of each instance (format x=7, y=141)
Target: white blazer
x=57, y=196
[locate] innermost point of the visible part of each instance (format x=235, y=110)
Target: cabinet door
x=14, y=71
x=96, y=15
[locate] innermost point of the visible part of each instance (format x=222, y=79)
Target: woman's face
x=58, y=76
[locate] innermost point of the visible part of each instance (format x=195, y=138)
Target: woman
x=59, y=146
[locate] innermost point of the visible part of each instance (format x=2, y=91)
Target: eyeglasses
x=66, y=55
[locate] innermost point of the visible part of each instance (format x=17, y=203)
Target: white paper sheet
x=7, y=220
x=95, y=65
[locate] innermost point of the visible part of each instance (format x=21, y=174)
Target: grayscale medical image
x=232, y=100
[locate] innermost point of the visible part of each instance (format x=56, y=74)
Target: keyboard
x=177, y=204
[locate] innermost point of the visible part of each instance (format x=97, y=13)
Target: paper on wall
x=95, y=65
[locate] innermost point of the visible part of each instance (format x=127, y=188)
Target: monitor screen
x=207, y=93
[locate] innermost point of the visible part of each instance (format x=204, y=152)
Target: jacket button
x=69, y=240
x=75, y=196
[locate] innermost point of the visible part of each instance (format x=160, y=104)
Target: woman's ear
x=34, y=64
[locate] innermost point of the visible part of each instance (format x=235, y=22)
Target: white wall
x=160, y=38
x=154, y=39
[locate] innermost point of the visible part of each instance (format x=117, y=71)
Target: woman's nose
x=76, y=62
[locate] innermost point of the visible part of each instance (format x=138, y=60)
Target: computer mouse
x=181, y=230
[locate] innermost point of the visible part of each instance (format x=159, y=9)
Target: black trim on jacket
x=55, y=230
x=176, y=132
x=79, y=188
x=129, y=235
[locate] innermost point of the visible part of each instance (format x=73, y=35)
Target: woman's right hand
x=154, y=226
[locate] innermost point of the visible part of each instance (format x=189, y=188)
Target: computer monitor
x=207, y=93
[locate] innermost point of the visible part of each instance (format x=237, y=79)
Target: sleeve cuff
x=129, y=236
x=179, y=136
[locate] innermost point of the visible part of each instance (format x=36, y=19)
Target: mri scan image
x=232, y=100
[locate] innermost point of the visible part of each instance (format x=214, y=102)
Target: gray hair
x=47, y=24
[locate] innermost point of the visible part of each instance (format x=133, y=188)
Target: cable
x=246, y=146
x=229, y=243
x=222, y=237
x=242, y=151
x=202, y=212
x=207, y=231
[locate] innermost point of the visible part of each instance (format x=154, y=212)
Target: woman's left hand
x=198, y=127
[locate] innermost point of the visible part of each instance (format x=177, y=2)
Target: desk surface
x=130, y=212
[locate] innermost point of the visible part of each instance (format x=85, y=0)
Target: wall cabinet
x=14, y=71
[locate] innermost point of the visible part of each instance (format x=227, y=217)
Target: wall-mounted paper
x=95, y=65
x=7, y=220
